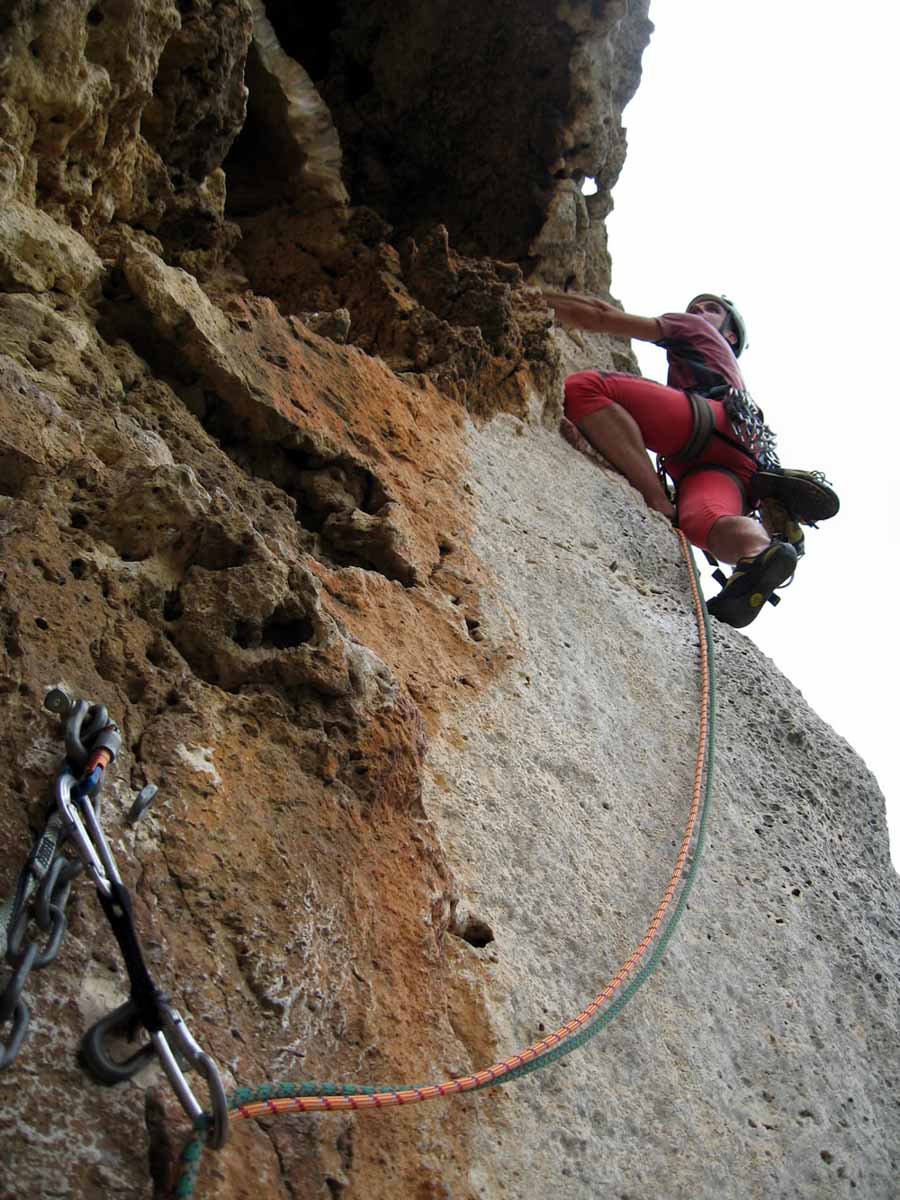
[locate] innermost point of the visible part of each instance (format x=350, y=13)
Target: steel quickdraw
x=749, y=427
x=92, y=743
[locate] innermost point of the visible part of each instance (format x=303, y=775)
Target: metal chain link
x=42, y=895
x=44, y=903
x=45, y=881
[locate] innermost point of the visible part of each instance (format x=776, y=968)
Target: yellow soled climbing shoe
x=751, y=583
x=805, y=494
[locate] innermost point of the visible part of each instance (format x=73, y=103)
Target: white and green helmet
x=734, y=323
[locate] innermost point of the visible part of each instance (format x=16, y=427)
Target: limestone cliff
x=281, y=485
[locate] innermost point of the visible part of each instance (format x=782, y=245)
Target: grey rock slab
x=37, y=254
x=761, y=1060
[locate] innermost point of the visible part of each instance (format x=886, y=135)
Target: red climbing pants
x=666, y=422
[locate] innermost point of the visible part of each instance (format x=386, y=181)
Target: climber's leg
x=710, y=513
x=623, y=417
x=616, y=434
x=731, y=538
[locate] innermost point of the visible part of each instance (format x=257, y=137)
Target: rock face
x=281, y=485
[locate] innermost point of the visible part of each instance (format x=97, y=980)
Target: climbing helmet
x=734, y=321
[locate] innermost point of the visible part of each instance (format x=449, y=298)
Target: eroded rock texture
x=280, y=484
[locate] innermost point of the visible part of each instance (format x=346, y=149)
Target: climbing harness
x=92, y=743
x=745, y=427
x=749, y=433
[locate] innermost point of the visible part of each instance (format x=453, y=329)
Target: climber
x=711, y=440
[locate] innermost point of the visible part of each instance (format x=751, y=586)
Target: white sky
x=762, y=163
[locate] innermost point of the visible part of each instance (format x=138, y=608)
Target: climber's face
x=711, y=311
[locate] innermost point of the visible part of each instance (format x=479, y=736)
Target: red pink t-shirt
x=699, y=357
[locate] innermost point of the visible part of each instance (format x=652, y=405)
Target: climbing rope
x=280, y=1098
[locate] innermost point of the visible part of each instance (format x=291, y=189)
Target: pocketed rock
x=372, y=539
x=270, y=382
x=334, y=325
x=259, y=623
x=121, y=111
x=35, y=434
x=416, y=680
x=39, y=255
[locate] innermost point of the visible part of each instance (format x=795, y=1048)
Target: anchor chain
x=41, y=895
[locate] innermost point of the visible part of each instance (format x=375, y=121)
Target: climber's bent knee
x=663, y=414
x=586, y=392
x=704, y=497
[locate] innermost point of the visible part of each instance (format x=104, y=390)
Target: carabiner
x=77, y=733
x=178, y=1043
x=96, y=1058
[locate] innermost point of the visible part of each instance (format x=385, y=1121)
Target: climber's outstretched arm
x=597, y=316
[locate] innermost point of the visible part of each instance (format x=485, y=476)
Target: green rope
x=189, y=1161
x=612, y=1011
x=192, y=1153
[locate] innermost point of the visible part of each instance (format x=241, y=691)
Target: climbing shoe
x=805, y=494
x=779, y=523
x=751, y=584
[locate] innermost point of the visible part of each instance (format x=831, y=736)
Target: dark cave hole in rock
x=173, y=608
x=306, y=33
x=262, y=159
x=281, y=631
x=245, y=635
x=256, y=166
x=474, y=931
x=14, y=473
x=443, y=167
